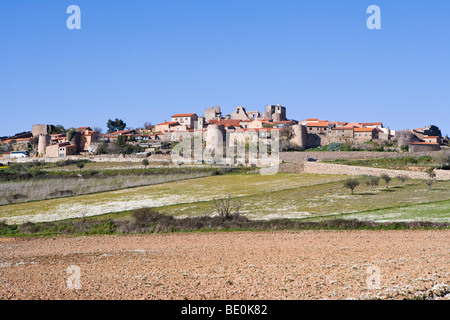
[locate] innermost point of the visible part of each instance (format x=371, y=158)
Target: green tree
x=429, y=183
x=121, y=141
x=386, y=179
x=145, y=163
x=372, y=181
x=351, y=184
x=71, y=134
x=57, y=129
x=115, y=125
x=80, y=165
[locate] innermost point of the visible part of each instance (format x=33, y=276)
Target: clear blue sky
x=144, y=60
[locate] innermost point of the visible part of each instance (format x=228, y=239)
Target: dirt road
x=238, y=265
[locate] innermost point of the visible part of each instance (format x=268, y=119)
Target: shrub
x=62, y=193
x=104, y=227
x=403, y=178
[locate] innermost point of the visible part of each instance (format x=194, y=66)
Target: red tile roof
x=343, y=128
x=364, y=129
x=170, y=123
x=183, y=115
x=428, y=143
x=317, y=124
x=17, y=140
x=371, y=123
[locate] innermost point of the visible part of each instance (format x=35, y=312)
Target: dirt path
x=243, y=265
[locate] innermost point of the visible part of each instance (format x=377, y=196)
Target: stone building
x=239, y=114
x=212, y=113
x=275, y=113
x=60, y=150
x=423, y=147
x=37, y=129
x=365, y=134
x=186, y=119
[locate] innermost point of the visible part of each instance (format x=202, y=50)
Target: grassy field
x=285, y=195
x=403, y=163
x=438, y=211
x=166, y=194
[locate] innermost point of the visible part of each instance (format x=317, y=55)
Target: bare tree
x=147, y=125
x=286, y=134
x=442, y=158
x=405, y=137
x=98, y=130
x=225, y=207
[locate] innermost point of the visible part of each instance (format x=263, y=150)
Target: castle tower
x=300, y=136
x=44, y=142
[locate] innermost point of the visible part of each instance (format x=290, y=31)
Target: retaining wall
x=333, y=155
x=95, y=158
x=330, y=168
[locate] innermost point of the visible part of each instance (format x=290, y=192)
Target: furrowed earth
x=228, y=265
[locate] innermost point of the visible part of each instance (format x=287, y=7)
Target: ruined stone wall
x=38, y=129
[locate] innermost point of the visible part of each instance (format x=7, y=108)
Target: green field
x=284, y=195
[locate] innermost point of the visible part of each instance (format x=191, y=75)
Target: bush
x=62, y=193
x=107, y=227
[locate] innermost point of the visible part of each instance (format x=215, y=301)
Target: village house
x=432, y=139
x=317, y=127
x=365, y=134
x=88, y=137
x=112, y=136
x=60, y=150
x=185, y=119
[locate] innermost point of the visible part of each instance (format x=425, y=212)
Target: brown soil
x=238, y=265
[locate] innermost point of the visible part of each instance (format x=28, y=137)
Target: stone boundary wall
x=333, y=155
x=330, y=168
x=96, y=158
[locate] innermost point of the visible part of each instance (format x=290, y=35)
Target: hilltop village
x=45, y=140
